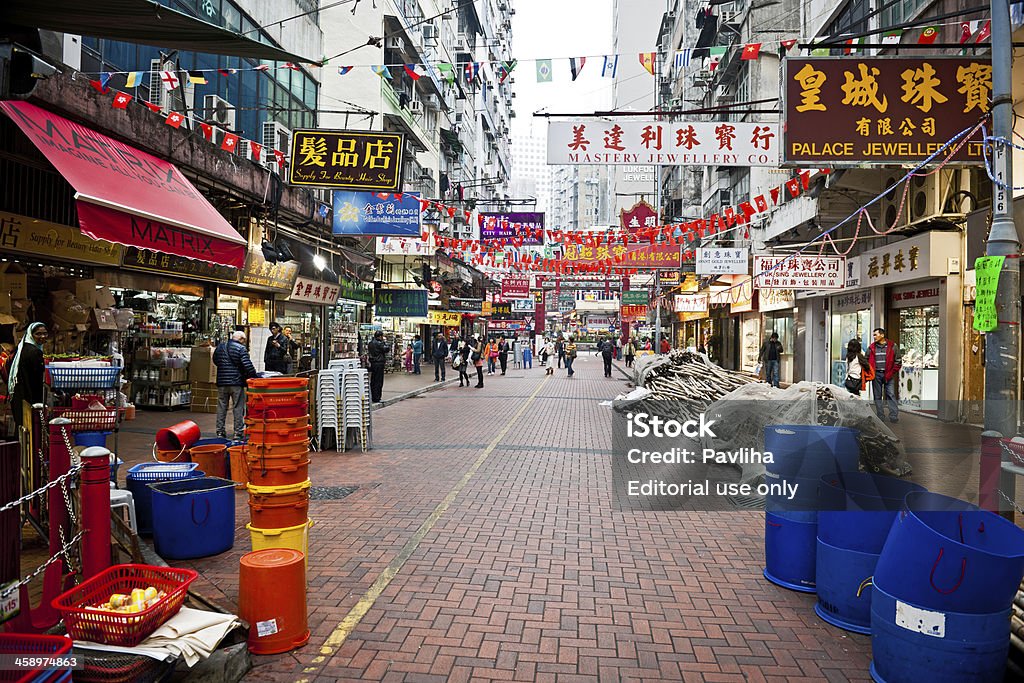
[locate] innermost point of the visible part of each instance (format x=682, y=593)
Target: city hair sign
x=594, y=142
x=800, y=272
x=883, y=110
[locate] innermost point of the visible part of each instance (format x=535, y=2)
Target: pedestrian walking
x=503, y=353
x=439, y=353
x=463, y=362
x=544, y=352
x=527, y=356
x=377, y=351
x=886, y=362
x=417, y=354
x=275, y=356
x=26, y=371
x=407, y=358
x=476, y=352
x=234, y=367
x=560, y=350
x=491, y=354
x=858, y=368
x=629, y=352
x=607, y=350
x=549, y=354
x=771, y=355
x=665, y=346
x=569, y=349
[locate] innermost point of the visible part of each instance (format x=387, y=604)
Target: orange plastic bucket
x=212, y=459
x=267, y=474
x=177, y=437
x=285, y=399
x=279, y=495
x=301, y=422
x=278, y=516
x=292, y=449
x=298, y=411
x=282, y=383
x=239, y=468
x=267, y=434
x=176, y=455
x=272, y=599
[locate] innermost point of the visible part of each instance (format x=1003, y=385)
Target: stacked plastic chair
x=328, y=422
x=355, y=401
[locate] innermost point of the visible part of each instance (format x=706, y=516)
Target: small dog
x=550, y=371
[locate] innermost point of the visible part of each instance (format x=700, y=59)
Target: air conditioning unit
x=433, y=101
x=927, y=199
x=430, y=35
x=275, y=137
x=416, y=108
x=394, y=43
x=219, y=112
x=462, y=43
x=729, y=17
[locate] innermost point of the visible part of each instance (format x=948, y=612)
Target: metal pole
x=1002, y=367
x=657, y=314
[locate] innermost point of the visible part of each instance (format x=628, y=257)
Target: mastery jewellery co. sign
x=347, y=159
x=883, y=110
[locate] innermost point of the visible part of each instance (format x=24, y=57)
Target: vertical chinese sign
x=347, y=159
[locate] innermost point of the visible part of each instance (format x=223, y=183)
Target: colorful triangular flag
x=928, y=35
x=683, y=58
x=985, y=32
x=788, y=44
x=447, y=72
x=381, y=71
x=152, y=107
x=206, y=130
x=197, y=78
x=470, y=70
x=121, y=100
x=750, y=51
x=610, y=67
x=505, y=69
x=647, y=61
x=576, y=66
x=411, y=70
x=543, y=70
x=892, y=37
x=342, y=70
x=133, y=79
x=715, y=55
x=174, y=119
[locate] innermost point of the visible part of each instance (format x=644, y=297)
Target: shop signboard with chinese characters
x=853, y=272
x=668, y=278
x=883, y=110
x=171, y=264
x=311, y=291
x=800, y=272
x=524, y=305
x=515, y=287
x=690, y=303
x=403, y=246
x=723, y=260
x=635, y=297
x=566, y=302
x=60, y=242
x=921, y=256
x=444, y=318
x=400, y=303
x=376, y=213
x=497, y=308
x=650, y=142
x=461, y=305
x=495, y=226
x=347, y=159
x=642, y=215
x=854, y=301
x=633, y=256
x=742, y=295
x=632, y=312
x=353, y=290
x=259, y=272
x=769, y=300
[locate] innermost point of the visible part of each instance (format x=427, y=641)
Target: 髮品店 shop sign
x=723, y=261
x=799, y=272
x=347, y=159
x=921, y=256
x=314, y=292
x=690, y=143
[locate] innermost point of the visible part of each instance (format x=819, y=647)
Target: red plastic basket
x=29, y=646
x=90, y=420
x=127, y=630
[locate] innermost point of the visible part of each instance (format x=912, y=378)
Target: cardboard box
x=104, y=297
x=66, y=307
x=125, y=318
x=83, y=289
x=173, y=374
x=23, y=310
x=104, y=319
x=13, y=281
x=201, y=367
x=60, y=325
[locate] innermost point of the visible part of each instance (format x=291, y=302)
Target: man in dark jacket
x=771, y=355
x=885, y=360
x=234, y=367
x=378, y=356
x=439, y=352
x=275, y=357
x=607, y=350
x=503, y=350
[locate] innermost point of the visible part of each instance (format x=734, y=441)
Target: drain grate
x=747, y=502
x=331, y=492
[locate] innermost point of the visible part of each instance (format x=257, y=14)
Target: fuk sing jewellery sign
x=347, y=159
x=883, y=109
x=800, y=272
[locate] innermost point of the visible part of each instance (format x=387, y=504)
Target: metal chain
x=1011, y=502
x=38, y=492
x=39, y=570
x=1015, y=457
x=69, y=506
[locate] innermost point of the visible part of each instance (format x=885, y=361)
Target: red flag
x=965, y=31
x=174, y=119
x=747, y=209
x=152, y=107
x=788, y=44
x=750, y=51
x=99, y=87
x=121, y=100
x=256, y=151
x=928, y=35
x=761, y=203
x=775, y=195
x=793, y=185
x=207, y=130
x=805, y=179
x=279, y=156
x=985, y=32
x=230, y=143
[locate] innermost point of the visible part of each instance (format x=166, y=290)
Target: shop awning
x=128, y=196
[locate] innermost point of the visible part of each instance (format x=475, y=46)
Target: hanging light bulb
x=319, y=262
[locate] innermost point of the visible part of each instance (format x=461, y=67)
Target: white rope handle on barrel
x=174, y=459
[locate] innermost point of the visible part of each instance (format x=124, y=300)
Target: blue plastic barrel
x=948, y=555
x=193, y=517
x=790, y=545
x=801, y=455
x=142, y=475
x=910, y=643
x=91, y=439
x=213, y=440
x=857, y=511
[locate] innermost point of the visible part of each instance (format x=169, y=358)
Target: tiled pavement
x=481, y=544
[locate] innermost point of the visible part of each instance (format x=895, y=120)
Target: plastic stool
x=121, y=498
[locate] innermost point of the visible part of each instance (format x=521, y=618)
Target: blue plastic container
x=193, y=517
x=948, y=555
x=957, y=648
x=790, y=547
x=220, y=441
x=843, y=582
x=91, y=439
x=142, y=475
x=802, y=454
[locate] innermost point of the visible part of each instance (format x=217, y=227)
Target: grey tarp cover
x=138, y=21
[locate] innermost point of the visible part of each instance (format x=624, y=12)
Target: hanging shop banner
x=986, y=281
x=769, y=300
x=498, y=308
x=800, y=272
x=403, y=246
x=444, y=318
x=376, y=213
x=347, y=159
x=524, y=305
x=461, y=305
x=635, y=297
x=841, y=110
x=631, y=313
x=921, y=256
x=690, y=303
x=169, y=264
x=61, y=242
x=353, y=290
x=507, y=225
x=723, y=261
x=690, y=143
x=259, y=272
x=668, y=278
x=633, y=256
x=515, y=287
x=310, y=291
x=642, y=215
x=400, y=303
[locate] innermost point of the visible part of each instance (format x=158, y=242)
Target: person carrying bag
x=858, y=370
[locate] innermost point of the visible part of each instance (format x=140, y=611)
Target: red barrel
x=272, y=598
x=177, y=437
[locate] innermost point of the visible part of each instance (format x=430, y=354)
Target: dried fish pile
x=689, y=376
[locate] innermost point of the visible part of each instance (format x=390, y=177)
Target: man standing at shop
x=275, y=357
x=417, y=354
x=234, y=367
x=885, y=360
x=607, y=350
x=378, y=356
x=503, y=353
x=771, y=355
x=440, y=355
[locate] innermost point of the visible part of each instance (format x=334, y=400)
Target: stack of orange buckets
x=277, y=458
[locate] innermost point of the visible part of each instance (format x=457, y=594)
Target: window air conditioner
x=729, y=17
x=219, y=112
x=415, y=107
x=394, y=43
x=275, y=137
